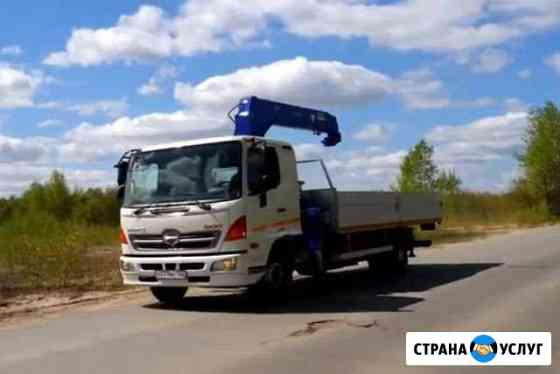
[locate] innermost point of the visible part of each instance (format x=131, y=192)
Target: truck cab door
x=273, y=198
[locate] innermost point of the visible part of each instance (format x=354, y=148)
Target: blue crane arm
x=256, y=116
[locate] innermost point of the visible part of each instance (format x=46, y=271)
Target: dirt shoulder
x=17, y=309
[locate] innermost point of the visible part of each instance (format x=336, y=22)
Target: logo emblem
x=171, y=238
x=483, y=348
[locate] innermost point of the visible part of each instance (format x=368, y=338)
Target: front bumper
x=198, y=270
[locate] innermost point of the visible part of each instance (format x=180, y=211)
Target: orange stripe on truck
x=278, y=224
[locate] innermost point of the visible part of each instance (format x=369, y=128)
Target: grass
x=468, y=209
x=40, y=254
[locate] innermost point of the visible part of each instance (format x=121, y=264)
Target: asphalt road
x=502, y=283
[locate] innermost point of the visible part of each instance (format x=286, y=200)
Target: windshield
x=200, y=172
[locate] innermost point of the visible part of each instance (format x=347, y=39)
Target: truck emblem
x=171, y=238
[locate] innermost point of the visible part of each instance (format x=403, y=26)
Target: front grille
x=185, y=266
x=190, y=241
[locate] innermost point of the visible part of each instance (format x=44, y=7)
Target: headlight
x=229, y=264
x=127, y=266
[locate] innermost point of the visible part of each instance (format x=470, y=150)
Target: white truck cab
x=207, y=212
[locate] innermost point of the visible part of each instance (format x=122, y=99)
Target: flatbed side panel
x=420, y=206
x=362, y=211
x=358, y=209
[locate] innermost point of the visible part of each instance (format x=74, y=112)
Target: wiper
x=202, y=205
x=143, y=209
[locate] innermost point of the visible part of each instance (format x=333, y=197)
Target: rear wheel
x=394, y=261
x=169, y=295
x=400, y=259
x=372, y=265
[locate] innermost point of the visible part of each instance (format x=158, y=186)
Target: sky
x=81, y=82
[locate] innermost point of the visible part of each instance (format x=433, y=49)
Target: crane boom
x=256, y=116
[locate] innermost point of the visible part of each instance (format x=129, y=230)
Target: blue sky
x=82, y=82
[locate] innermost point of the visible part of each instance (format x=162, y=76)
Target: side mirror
x=122, y=168
x=120, y=192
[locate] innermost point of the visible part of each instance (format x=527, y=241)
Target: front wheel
x=169, y=295
x=276, y=280
x=278, y=275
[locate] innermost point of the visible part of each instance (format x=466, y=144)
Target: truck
x=236, y=211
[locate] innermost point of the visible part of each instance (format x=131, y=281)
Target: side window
x=263, y=170
x=272, y=166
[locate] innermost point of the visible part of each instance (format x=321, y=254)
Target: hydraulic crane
x=256, y=116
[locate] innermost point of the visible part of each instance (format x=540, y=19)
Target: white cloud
x=420, y=90
x=371, y=168
x=110, y=108
x=160, y=77
x=143, y=35
x=86, y=178
x=514, y=104
x=481, y=102
x=32, y=149
x=11, y=50
x=525, y=74
x=89, y=142
x=554, y=62
x=199, y=27
x=492, y=61
x=322, y=84
x=481, y=151
x=375, y=133
x=150, y=88
x=365, y=170
x=14, y=178
x=50, y=105
x=490, y=138
x=203, y=26
x=50, y=123
x=308, y=151
x=18, y=87
x=298, y=81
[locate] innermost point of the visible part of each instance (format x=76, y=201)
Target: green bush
x=52, y=237
x=475, y=208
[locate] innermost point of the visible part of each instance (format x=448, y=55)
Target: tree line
x=55, y=200
x=538, y=187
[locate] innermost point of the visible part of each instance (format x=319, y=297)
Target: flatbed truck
x=233, y=212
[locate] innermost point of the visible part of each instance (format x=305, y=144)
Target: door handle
x=281, y=210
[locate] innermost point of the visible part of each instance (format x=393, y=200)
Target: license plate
x=171, y=275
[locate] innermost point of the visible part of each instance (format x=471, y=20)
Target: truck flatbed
x=350, y=211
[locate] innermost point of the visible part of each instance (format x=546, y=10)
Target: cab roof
x=221, y=139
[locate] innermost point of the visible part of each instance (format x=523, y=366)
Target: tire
x=395, y=261
x=278, y=275
x=400, y=258
x=372, y=265
x=169, y=295
x=276, y=280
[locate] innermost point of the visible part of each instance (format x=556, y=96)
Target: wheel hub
x=275, y=275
